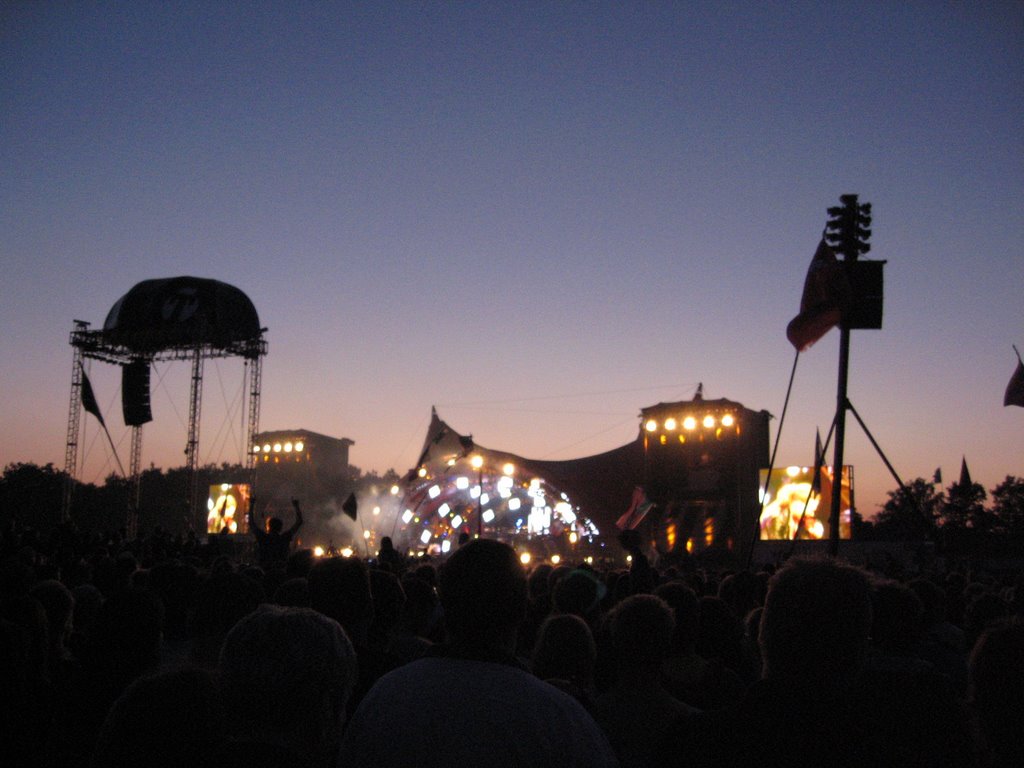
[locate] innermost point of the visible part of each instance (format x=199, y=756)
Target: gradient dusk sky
x=539, y=217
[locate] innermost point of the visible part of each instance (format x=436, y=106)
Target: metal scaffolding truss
x=98, y=345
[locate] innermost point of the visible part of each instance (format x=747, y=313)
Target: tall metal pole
x=837, y=462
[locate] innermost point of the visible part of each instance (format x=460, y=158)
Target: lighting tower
x=847, y=232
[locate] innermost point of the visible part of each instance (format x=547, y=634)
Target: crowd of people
x=171, y=651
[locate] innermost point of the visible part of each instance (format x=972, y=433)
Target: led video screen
x=794, y=507
x=227, y=508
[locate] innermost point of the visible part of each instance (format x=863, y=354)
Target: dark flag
x=1015, y=389
x=89, y=399
x=825, y=292
x=819, y=463
x=937, y=477
x=350, y=507
x=965, y=475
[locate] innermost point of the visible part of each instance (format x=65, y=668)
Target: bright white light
x=394, y=490
x=376, y=510
x=564, y=510
x=277, y=447
x=255, y=449
x=590, y=559
x=689, y=423
x=462, y=483
x=422, y=471
x=509, y=468
x=474, y=492
x=435, y=491
x=456, y=521
x=792, y=471
x=728, y=420
x=629, y=558
x=299, y=445
x=443, y=510
x=573, y=538
x=709, y=421
x=318, y=551
x=346, y=552
x=488, y=515
x=484, y=498
x=651, y=425
x=514, y=504
x=446, y=546
x=407, y=516
x=477, y=461
x=555, y=559
x=425, y=536
x=451, y=462
x=366, y=534
x=287, y=447
x=525, y=558
x=266, y=448
x=670, y=424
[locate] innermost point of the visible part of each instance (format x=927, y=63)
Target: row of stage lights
x=297, y=447
x=690, y=423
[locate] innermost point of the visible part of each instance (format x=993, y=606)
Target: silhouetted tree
x=910, y=514
x=1008, y=504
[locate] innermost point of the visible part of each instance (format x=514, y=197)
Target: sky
x=538, y=217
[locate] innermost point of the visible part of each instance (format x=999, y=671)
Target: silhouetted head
x=815, y=624
x=386, y=544
x=565, y=650
x=641, y=629
x=339, y=587
x=483, y=593
x=287, y=673
x=274, y=524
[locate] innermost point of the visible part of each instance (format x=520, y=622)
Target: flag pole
x=771, y=463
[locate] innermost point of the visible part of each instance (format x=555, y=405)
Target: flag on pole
x=350, y=507
x=819, y=463
x=965, y=475
x=825, y=291
x=638, y=509
x=89, y=399
x=1015, y=389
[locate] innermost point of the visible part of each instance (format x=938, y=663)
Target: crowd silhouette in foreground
x=173, y=652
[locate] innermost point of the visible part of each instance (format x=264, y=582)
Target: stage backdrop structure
x=689, y=481
x=178, y=318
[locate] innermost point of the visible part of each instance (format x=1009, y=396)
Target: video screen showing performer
x=227, y=508
x=796, y=507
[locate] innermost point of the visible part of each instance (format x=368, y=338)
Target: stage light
x=318, y=551
x=255, y=449
x=422, y=472
x=689, y=423
x=514, y=504
x=376, y=510
x=484, y=498
x=266, y=448
x=287, y=447
x=299, y=446
x=425, y=536
x=488, y=515
x=573, y=537
x=446, y=546
x=525, y=558
x=407, y=516
x=728, y=420
x=670, y=424
x=366, y=534
x=277, y=447
x=435, y=491
x=457, y=521
x=443, y=510
x=451, y=462
x=462, y=482
x=346, y=552
x=555, y=559
x=792, y=471
x=477, y=461
x=394, y=488
x=651, y=425
x=709, y=421
x=509, y=468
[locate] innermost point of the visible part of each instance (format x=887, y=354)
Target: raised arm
x=298, y=518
